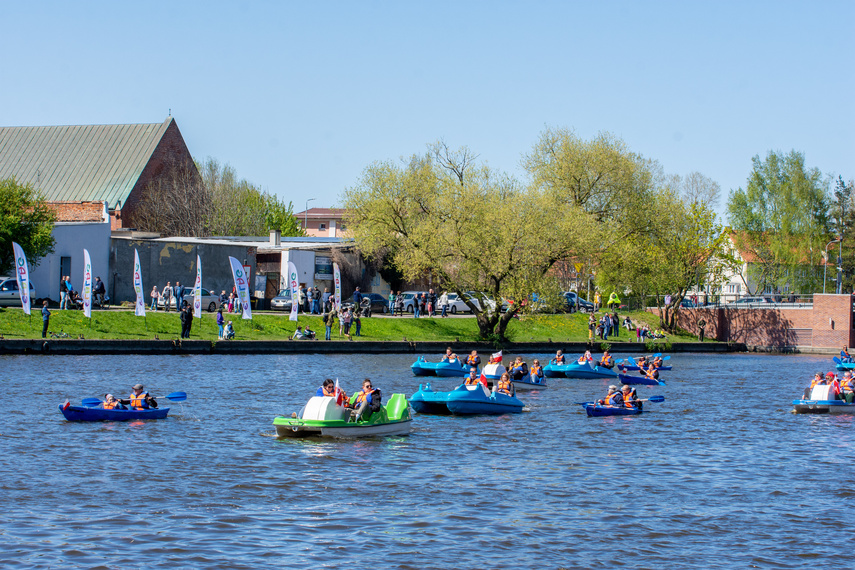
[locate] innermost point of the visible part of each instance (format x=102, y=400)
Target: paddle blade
x=668, y=357
x=656, y=398
x=631, y=361
x=837, y=360
x=91, y=402
x=657, y=355
x=177, y=396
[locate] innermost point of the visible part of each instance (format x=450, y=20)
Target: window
x=322, y=226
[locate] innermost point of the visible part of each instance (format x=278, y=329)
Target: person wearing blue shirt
x=357, y=297
x=45, y=318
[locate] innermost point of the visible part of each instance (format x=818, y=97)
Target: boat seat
x=822, y=392
x=323, y=408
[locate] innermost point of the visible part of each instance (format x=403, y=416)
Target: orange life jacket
x=110, y=406
x=361, y=396
x=606, y=359
x=657, y=362
x=471, y=360
x=559, y=359
x=504, y=386
x=536, y=370
x=330, y=393
x=472, y=381
x=628, y=399
x=138, y=402
x=611, y=399
x=651, y=374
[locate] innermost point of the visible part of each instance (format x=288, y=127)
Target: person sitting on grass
x=298, y=334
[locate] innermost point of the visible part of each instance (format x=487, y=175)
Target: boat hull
x=593, y=410
x=475, y=400
x=586, y=371
x=636, y=368
x=822, y=407
x=526, y=384
x=294, y=427
x=421, y=367
x=554, y=370
x=86, y=414
x=643, y=380
x=426, y=401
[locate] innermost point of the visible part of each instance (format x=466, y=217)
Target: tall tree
x=25, y=218
x=843, y=217
x=472, y=228
x=781, y=221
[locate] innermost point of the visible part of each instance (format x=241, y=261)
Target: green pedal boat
x=321, y=417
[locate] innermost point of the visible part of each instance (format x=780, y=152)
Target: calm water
x=697, y=482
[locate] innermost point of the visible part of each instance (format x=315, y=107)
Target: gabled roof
x=80, y=163
x=323, y=213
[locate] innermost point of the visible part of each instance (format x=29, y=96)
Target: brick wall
x=171, y=152
x=828, y=324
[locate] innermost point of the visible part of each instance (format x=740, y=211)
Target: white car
x=210, y=302
x=456, y=304
x=9, y=293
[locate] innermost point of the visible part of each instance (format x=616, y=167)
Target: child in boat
x=657, y=362
x=536, y=372
x=518, y=369
x=559, y=358
x=848, y=385
x=473, y=359
x=613, y=397
x=504, y=385
x=586, y=357
x=447, y=356
x=451, y=359
x=111, y=403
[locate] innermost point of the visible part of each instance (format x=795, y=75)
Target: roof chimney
x=275, y=238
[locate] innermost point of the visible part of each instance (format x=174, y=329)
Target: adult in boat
x=817, y=380
x=536, y=372
x=448, y=355
x=367, y=401
x=613, y=397
x=559, y=358
x=139, y=399
x=657, y=362
x=651, y=372
x=642, y=362
x=586, y=358
x=473, y=379
x=848, y=385
x=519, y=369
x=504, y=385
x=606, y=361
x=111, y=403
x=630, y=397
x=473, y=359
x=327, y=389
x=844, y=355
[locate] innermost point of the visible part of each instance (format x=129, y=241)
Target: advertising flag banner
x=295, y=290
x=87, y=284
x=139, y=308
x=23, y=276
x=242, y=287
x=337, y=280
x=197, y=290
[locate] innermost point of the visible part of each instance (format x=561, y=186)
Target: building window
x=322, y=226
x=341, y=226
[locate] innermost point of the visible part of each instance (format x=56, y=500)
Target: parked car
x=379, y=303
x=576, y=303
x=688, y=304
x=210, y=302
x=282, y=301
x=752, y=301
x=409, y=302
x=456, y=304
x=9, y=292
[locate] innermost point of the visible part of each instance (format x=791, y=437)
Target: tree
x=208, y=199
x=26, y=219
x=843, y=217
x=601, y=176
x=781, y=221
x=472, y=228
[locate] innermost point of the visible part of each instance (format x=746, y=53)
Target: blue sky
x=301, y=97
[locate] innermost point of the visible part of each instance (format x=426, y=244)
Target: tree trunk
x=503, y=323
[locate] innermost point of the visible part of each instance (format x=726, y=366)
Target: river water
x=720, y=475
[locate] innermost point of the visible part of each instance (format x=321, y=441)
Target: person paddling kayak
x=139, y=399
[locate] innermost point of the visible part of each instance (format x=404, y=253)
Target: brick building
x=112, y=164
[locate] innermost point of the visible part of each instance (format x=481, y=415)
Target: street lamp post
x=825, y=265
x=306, y=216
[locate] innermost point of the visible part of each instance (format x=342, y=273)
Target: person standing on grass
x=166, y=295
x=329, y=321
x=220, y=321
x=63, y=294
x=154, y=296
x=179, y=296
x=45, y=318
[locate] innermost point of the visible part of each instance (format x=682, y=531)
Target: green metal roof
x=79, y=163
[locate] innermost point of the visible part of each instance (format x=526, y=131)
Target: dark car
x=576, y=303
x=379, y=303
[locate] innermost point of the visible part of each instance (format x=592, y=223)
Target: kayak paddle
x=837, y=360
x=666, y=357
x=175, y=396
x=91, y=402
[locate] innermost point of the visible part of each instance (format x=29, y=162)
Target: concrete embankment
x=80, y=346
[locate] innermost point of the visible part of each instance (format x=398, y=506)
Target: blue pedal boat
x=464, y=400
x=422, y=367
x=552, y=370
x=426, y=401
x=585, y=371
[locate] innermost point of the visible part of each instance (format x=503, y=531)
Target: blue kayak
x=626, y=379
x=87, y=414
x=464, y=400
x=421, y=367
x=595, y=410
x=631, y=367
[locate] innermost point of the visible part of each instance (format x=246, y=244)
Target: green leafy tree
x=472, y=228
x=843, y=218
x=280, y=216
x=26, y=219
x=781, y=220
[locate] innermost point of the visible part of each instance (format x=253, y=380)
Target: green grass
x=122, y=324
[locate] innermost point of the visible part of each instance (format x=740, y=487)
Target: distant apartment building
x=323, y=222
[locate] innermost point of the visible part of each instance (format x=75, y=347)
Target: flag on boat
x=22, y=274
x=339, y=397
x=242, y=287
x=295, y=290
x=87, y=284
x=139, y=308
x=337, y=281
x=197, y=289
x=497, y=357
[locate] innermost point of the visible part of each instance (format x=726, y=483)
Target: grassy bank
x=120, y=324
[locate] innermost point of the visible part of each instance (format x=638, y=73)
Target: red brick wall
x=170, y=152
x=828, y=324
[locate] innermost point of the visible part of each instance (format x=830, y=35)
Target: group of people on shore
x=69, y=298
x=426, y=304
